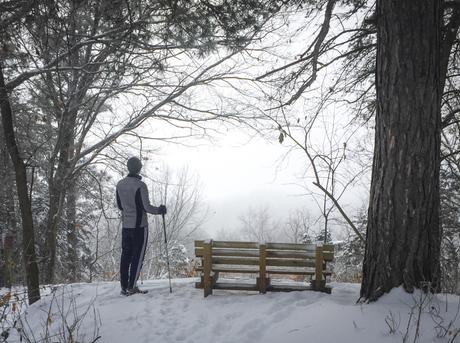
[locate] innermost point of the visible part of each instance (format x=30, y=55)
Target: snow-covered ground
x=239, y=317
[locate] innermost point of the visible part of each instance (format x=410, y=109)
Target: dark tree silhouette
x=403, y=230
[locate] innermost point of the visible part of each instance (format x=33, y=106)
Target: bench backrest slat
x=291, y=246
x=246, y=261
x=229, y=252
x=230, y=244
x=291, y=254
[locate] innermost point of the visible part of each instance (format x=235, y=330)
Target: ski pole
x=167, y=255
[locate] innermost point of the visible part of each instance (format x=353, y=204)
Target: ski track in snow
x=238, y=317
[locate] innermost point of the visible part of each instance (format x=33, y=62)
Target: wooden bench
x=263, y=260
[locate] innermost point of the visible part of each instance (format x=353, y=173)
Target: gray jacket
x=133, y=201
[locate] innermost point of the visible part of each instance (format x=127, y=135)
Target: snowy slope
x=185, y=316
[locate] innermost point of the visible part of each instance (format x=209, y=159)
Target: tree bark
x=72, y=237
x=28, y=239
x=10, y=233
x=403, y=230
x=59, y=185
x=56, y=201
x=8, y=223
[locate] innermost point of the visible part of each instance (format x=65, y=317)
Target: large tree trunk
x=403, y=230
x=59, y=184
x=8, y=220
x=57, y=189
x=28, y=239
x=72, y=237
x=8, y=227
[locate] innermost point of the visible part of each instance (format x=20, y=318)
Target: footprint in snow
x=166, y=303
x=221, y=328
x=254, y=329
x=279, y=307
x=185, y=307
x=280, y=316
x=234, y=315
x=181, y=338
x=305, y=302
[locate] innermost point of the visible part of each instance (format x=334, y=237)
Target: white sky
x=238, y=172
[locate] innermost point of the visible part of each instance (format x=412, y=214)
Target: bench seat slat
x=294, y=271
x=288, y=288
x=291, y=287
x=290, y=271
x=236, y=286
x=254, y=270
x=235, y=269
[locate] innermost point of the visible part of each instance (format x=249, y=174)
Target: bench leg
x=318, y=286
x=319, y=268
x=214, y=278
x=262, y=279
x=207, y=291
x=207, y=267
x=262, y=284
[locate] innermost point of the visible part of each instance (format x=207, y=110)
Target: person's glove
x=162, y=209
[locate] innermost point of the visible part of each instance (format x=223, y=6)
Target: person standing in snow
x=134, y=204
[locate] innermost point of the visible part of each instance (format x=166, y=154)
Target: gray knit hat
x=134, y=165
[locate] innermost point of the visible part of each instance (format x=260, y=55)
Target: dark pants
x=133, y=246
